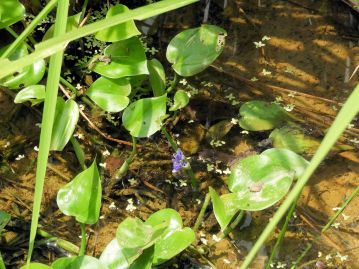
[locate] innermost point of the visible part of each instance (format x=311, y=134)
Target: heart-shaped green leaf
x=145, y=260
x=193, y=50
x=11, y=11
x=127, y=58
x=114, y=257
x=81, y=198
x=134, y=233
x=260, y=116
x=224, y=209
x=168, y=247
x=29, y=75
x=258, y=182
x=67, y=115
x=4, y=220
x=180, y=100
x=34, y=93
x=121, y=31
x=79, y=262
x=169, y=215
x=110, y=94
x=143, y=117
x=36, y=265
x=294, y=139
x=157, y=77
x=72, y=23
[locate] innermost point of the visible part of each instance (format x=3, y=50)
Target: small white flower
x=219, y=171
x=79, y=135
x=350, y=125
x=132, y=181
x=230, y=97
x=292, y=94
x=208, y=84
x=216, y=238
x=320, y=254
x=106, y=153
x=204, y=241
x=289, y=107
x=336, y=208
x=81, y=107
x=102, y=217
x=198, y=201
x=234, y=103
x=227, y=171
x=78, y=86
x=259, y=44
x=328, y=257
x=281, y=265
x=334, y=108
x=226, y=261
x=265, y=72
x=102, y=165
x=38, y=125
x=183, y=183
x=345, y=217
x=112, y=206
x=36, y=148
x=234, y=121
x=202, y=234
x=19, y=157
x=130, y=207
x=336, y=225
x=354, y=140
x=278, y=99
x=244, y=132
x=7, y=144
x=168, y=181
x=254, y=79
x=342, y=258
x=265, y=38
x=210, y=167
x=183, y=82
x=190, y=121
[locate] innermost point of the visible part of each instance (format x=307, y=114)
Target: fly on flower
x=179, y=161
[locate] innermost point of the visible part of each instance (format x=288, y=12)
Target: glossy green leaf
x=260, y=116
x=143, y=117
x=134, y=233
x=157, y=77
x=170, y=246
x=287, y=159
x=4, y=220
x=121, y=31
x=259, y=182
x=79, y=262
x=180, y=100
x=224, y=209
x=81, y=198
x=114, y=257
x=294, y=139
x=29, y=75
x=36, y=265
x=127, y=58
x=11, y=11
x=145, y=260
x=72, y=24
x=110, y=94
x=67, y=115
x=167, y=214
x=193, y=50
x=34, y=93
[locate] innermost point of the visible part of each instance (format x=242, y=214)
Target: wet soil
x=312, y=53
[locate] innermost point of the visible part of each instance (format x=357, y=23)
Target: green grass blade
x=345, y=116
x=47, y=121
x=57, y=43
x=30, y=28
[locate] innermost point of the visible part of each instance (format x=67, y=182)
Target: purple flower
x=179, y=161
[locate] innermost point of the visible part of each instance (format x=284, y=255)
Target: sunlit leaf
x=223, y=212
x=81, y=198
x=180, y=100
x=219, y=130
x=29, y=75
x=34, y=93
x=72, y=23
x=193, y=50
x=258, y=182
x=124, y=58
x=110, y=94
x=121, y=31
x=143, y=117
x=67, y=115
x=170, y=246
x=145, y=260
x=167, y=214
x=36, y=265
x=11, y=11
x=157, y=77
x=79, y=262
x=260, y=116
x=114, y=257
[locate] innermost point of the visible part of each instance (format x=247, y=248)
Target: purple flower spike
x=179, y=161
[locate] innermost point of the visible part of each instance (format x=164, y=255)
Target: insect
x=106, y=59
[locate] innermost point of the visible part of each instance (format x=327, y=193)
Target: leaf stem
x=83, y=240
x=207, y=199
x=233, y=225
